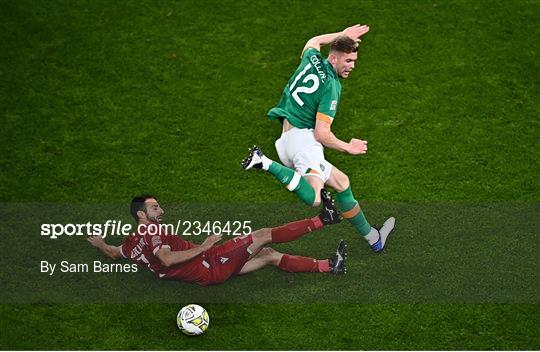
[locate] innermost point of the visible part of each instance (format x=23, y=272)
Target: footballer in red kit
x=142, y=247
x=170, y=257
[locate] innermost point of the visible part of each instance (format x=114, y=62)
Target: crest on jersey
x=333, y=105
x=156, y=241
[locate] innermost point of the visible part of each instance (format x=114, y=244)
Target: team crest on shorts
x=322, y=167
x=223, y=260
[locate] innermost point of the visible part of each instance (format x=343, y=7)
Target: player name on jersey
x=317, y=64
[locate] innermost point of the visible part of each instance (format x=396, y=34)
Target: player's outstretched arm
x=168, y=257
x=112, y=252
x=325, y=136
x=354, y=32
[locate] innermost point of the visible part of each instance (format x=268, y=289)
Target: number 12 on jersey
x=304, y=89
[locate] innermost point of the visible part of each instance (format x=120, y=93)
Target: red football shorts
x=228, y=259
x=216, y=265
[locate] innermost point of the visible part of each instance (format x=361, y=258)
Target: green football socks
x=293, y=181
x=351, y=211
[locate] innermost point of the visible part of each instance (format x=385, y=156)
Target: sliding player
x=170, y=257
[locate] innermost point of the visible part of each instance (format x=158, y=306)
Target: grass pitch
x=103, y=100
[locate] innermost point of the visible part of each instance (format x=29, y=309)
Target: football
x=192, y=319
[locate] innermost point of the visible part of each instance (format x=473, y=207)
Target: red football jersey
x=141, y=247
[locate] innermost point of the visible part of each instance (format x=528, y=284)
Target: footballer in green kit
x=307, y=109
x=314, y=88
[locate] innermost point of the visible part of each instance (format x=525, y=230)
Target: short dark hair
x=137, y=204
x=343, y=44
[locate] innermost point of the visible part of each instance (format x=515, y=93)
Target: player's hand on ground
x=96, y=241
x=210, y=241
x=356, y=31
x=357, y=146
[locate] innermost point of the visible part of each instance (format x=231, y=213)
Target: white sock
x=373, y=236
x=266, y=162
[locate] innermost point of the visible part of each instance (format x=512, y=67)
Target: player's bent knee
x=344, y=182
x=270, y=255
x=276, y=258
x=340, y=181
x=262, y=234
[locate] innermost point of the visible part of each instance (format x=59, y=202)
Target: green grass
x=290, y=327
x=103, y=100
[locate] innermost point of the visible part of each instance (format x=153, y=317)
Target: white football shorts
x=298, y=149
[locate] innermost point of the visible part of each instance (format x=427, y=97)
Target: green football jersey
x=313, y=88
